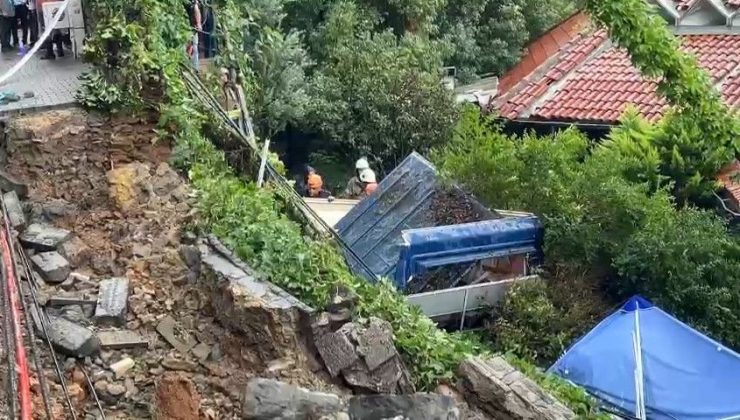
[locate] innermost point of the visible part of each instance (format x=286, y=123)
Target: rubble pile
x=266, y=399
x=103, y=219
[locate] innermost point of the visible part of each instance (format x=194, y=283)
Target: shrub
x=564, y=307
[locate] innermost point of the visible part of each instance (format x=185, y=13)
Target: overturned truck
x=447, y=252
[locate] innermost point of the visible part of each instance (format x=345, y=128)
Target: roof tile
x=601, y=88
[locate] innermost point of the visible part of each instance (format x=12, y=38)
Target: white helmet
x=367, y=175
x=362, y=164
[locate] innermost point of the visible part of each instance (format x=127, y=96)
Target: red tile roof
x=543, y=48
x=598, y=88
x=568, y=58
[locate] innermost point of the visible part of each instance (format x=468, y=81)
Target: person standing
x=33, y=23
x=21, y=16
x=192, y=8
x=209, y=27
x=7, y=15
x=355, y=187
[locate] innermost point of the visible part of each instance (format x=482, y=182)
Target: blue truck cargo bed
x=403, y=200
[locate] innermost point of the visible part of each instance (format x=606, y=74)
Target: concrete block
x=42, y=237
x=52, y=267
x=267, y=399
x=123, y=339
x=72, y=339
x=15, y=211
x=112, y=301
x=10, y=183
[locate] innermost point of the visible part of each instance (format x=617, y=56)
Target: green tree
x=700, y=135
x=377, y=94
x=487, y=36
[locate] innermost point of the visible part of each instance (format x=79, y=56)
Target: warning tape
x=8, y=74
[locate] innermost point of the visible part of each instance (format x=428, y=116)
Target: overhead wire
x=199, y=90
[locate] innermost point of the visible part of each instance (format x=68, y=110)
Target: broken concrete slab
x=15, y=211
x=499, y=390
x=272, y=321
x=76, y=251
x=52, y=267
x=121, y=339
x=72, y=339
x=201, y=351
x=267, y=399
x=416, y=406
x=175, y=335
x=337, y=351
x=42, y=237
x=375, y=343
x=10, y=183
x=112, y=301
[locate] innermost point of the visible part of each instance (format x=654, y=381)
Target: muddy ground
x=109, y=182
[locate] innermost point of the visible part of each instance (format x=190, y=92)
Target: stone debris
x=175, y=335
x=364, y=356
x=172, y=363
x=176, y=398
x=112, y=301
x=201, y=351
x=41, y=237
x=270, y=320
x=15, y=211
x=123, y=339
x=56, y=301
x=52, y=267
x=55, y=208
x=501, y=391
x=337, y=351
x=122, y=366
x=267, y=399
x=76, y=251
x=72, y=339
x=416, y=406
x=11, y=183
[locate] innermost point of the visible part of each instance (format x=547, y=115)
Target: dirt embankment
x=109, y=183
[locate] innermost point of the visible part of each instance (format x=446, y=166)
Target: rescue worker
x=355, y=186
x=313, y=184
x=369, y=183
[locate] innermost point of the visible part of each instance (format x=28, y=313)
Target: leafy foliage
x=700, y=135
x=625, y=231
x=132, y=52
x=378, y=95
x=564, y=306
x=487, y=36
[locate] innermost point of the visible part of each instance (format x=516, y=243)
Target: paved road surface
x=53, y=82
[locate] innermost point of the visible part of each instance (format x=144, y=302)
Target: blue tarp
x=427, y=248
x=373, y=227
x=686, y=374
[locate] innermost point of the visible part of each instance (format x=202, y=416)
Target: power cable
x=207, y=99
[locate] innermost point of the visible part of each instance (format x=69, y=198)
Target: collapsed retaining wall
x=276, y=325
x=272, y=322
x=501, y=391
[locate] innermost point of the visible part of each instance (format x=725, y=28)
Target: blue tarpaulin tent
x=682, y=373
